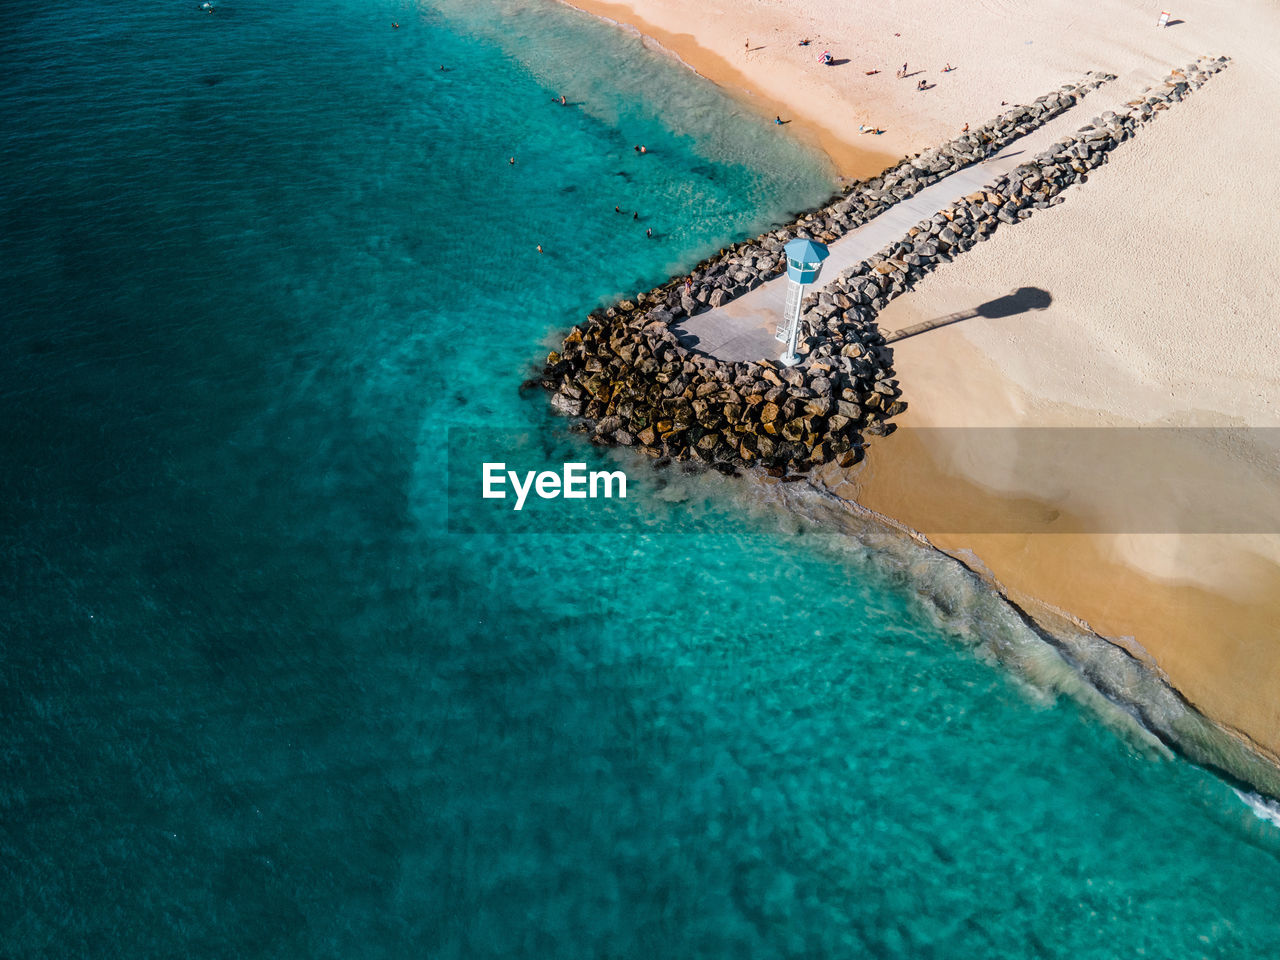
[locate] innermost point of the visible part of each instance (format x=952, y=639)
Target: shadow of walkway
x=1022, y=300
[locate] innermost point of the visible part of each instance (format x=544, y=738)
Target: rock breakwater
x=631, y=381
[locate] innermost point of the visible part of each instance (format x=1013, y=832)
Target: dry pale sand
x=1000, y=49
x=1162, y=272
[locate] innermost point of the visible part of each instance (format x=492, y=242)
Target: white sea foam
x=1265, y=808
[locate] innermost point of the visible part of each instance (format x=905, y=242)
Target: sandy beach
x=1154, y=285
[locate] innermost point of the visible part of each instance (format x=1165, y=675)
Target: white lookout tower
x=804, y=262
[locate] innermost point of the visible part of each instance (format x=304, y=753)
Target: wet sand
x=1213, y=636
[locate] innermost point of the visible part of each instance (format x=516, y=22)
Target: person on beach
x=948, y=68
x=778, y=121
x=920, y=85
x=903, y=71
x=966, y=129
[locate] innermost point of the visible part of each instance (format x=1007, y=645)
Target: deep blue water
x=258, y=701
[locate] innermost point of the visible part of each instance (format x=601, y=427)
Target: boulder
x=565, y=406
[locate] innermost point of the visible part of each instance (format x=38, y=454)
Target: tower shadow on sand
x=1022, y=300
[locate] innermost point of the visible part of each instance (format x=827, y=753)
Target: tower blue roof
x=806, y=251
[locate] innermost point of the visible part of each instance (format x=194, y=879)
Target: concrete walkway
x=744, y=328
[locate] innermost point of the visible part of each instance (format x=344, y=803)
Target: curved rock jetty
x=626, y=374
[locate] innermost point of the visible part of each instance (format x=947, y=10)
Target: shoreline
x=1122, y=687
x=1040, y=580
x=852, y=160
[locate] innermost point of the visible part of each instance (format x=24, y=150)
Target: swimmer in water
x=649, y=232
x=512, y=161
x=636, y=215
x=395, y=26
x=539, y=248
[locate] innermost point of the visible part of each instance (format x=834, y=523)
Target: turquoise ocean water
x=256, y=700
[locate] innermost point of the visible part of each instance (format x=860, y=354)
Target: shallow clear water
x=258, y=701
